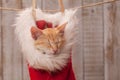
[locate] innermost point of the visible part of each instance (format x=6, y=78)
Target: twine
x=61, y=6
x=33, y=9
x=85, y=6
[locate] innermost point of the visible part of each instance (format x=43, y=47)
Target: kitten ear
x=61, y=28
x=35, y=32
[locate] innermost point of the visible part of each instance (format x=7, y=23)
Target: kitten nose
x=55, y=50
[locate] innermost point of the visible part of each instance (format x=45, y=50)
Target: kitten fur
x=35, y=58
x=49, y=40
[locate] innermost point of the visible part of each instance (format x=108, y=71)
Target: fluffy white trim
x=37, y=60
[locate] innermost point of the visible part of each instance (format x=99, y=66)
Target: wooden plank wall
x=112, y=41
x=0, y=43
x=93, y=41
x=95, y=57
x=11, y=56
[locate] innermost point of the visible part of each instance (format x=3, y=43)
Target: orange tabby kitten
x=49, y=40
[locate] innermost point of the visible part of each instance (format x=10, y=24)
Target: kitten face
x=49, y=40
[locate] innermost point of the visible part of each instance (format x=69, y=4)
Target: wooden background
x=95, y=57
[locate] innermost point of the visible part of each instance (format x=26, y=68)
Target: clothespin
x=62, y=9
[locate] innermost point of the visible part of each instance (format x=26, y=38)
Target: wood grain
x=12, y=66
x=17, y=56
x=25, y=73
x=47, y=4
x=117, y=43
x=112, y=40
x=93, y=42
x=0, y=42
x=7, y=45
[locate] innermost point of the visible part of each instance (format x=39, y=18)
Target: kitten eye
x=58, y=41
x=44, y=52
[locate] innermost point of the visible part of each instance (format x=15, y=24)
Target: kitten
x=49, y=40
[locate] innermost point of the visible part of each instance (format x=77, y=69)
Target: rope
x=61, y=6
x=33, y=9
x=85, y=6
x=9, y=9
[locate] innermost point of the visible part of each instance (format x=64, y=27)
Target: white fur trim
x=37, y=60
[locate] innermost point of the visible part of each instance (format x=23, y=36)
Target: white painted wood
x=39, y=4
x=117, y=43
x=17, y=56
x=0, y=42
x=12, y=67
x=112, y=41
x=28, y=3
x=93, y=41
x=17, y=61
x=25, y=73
x=50, y=5
x=7, y=46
